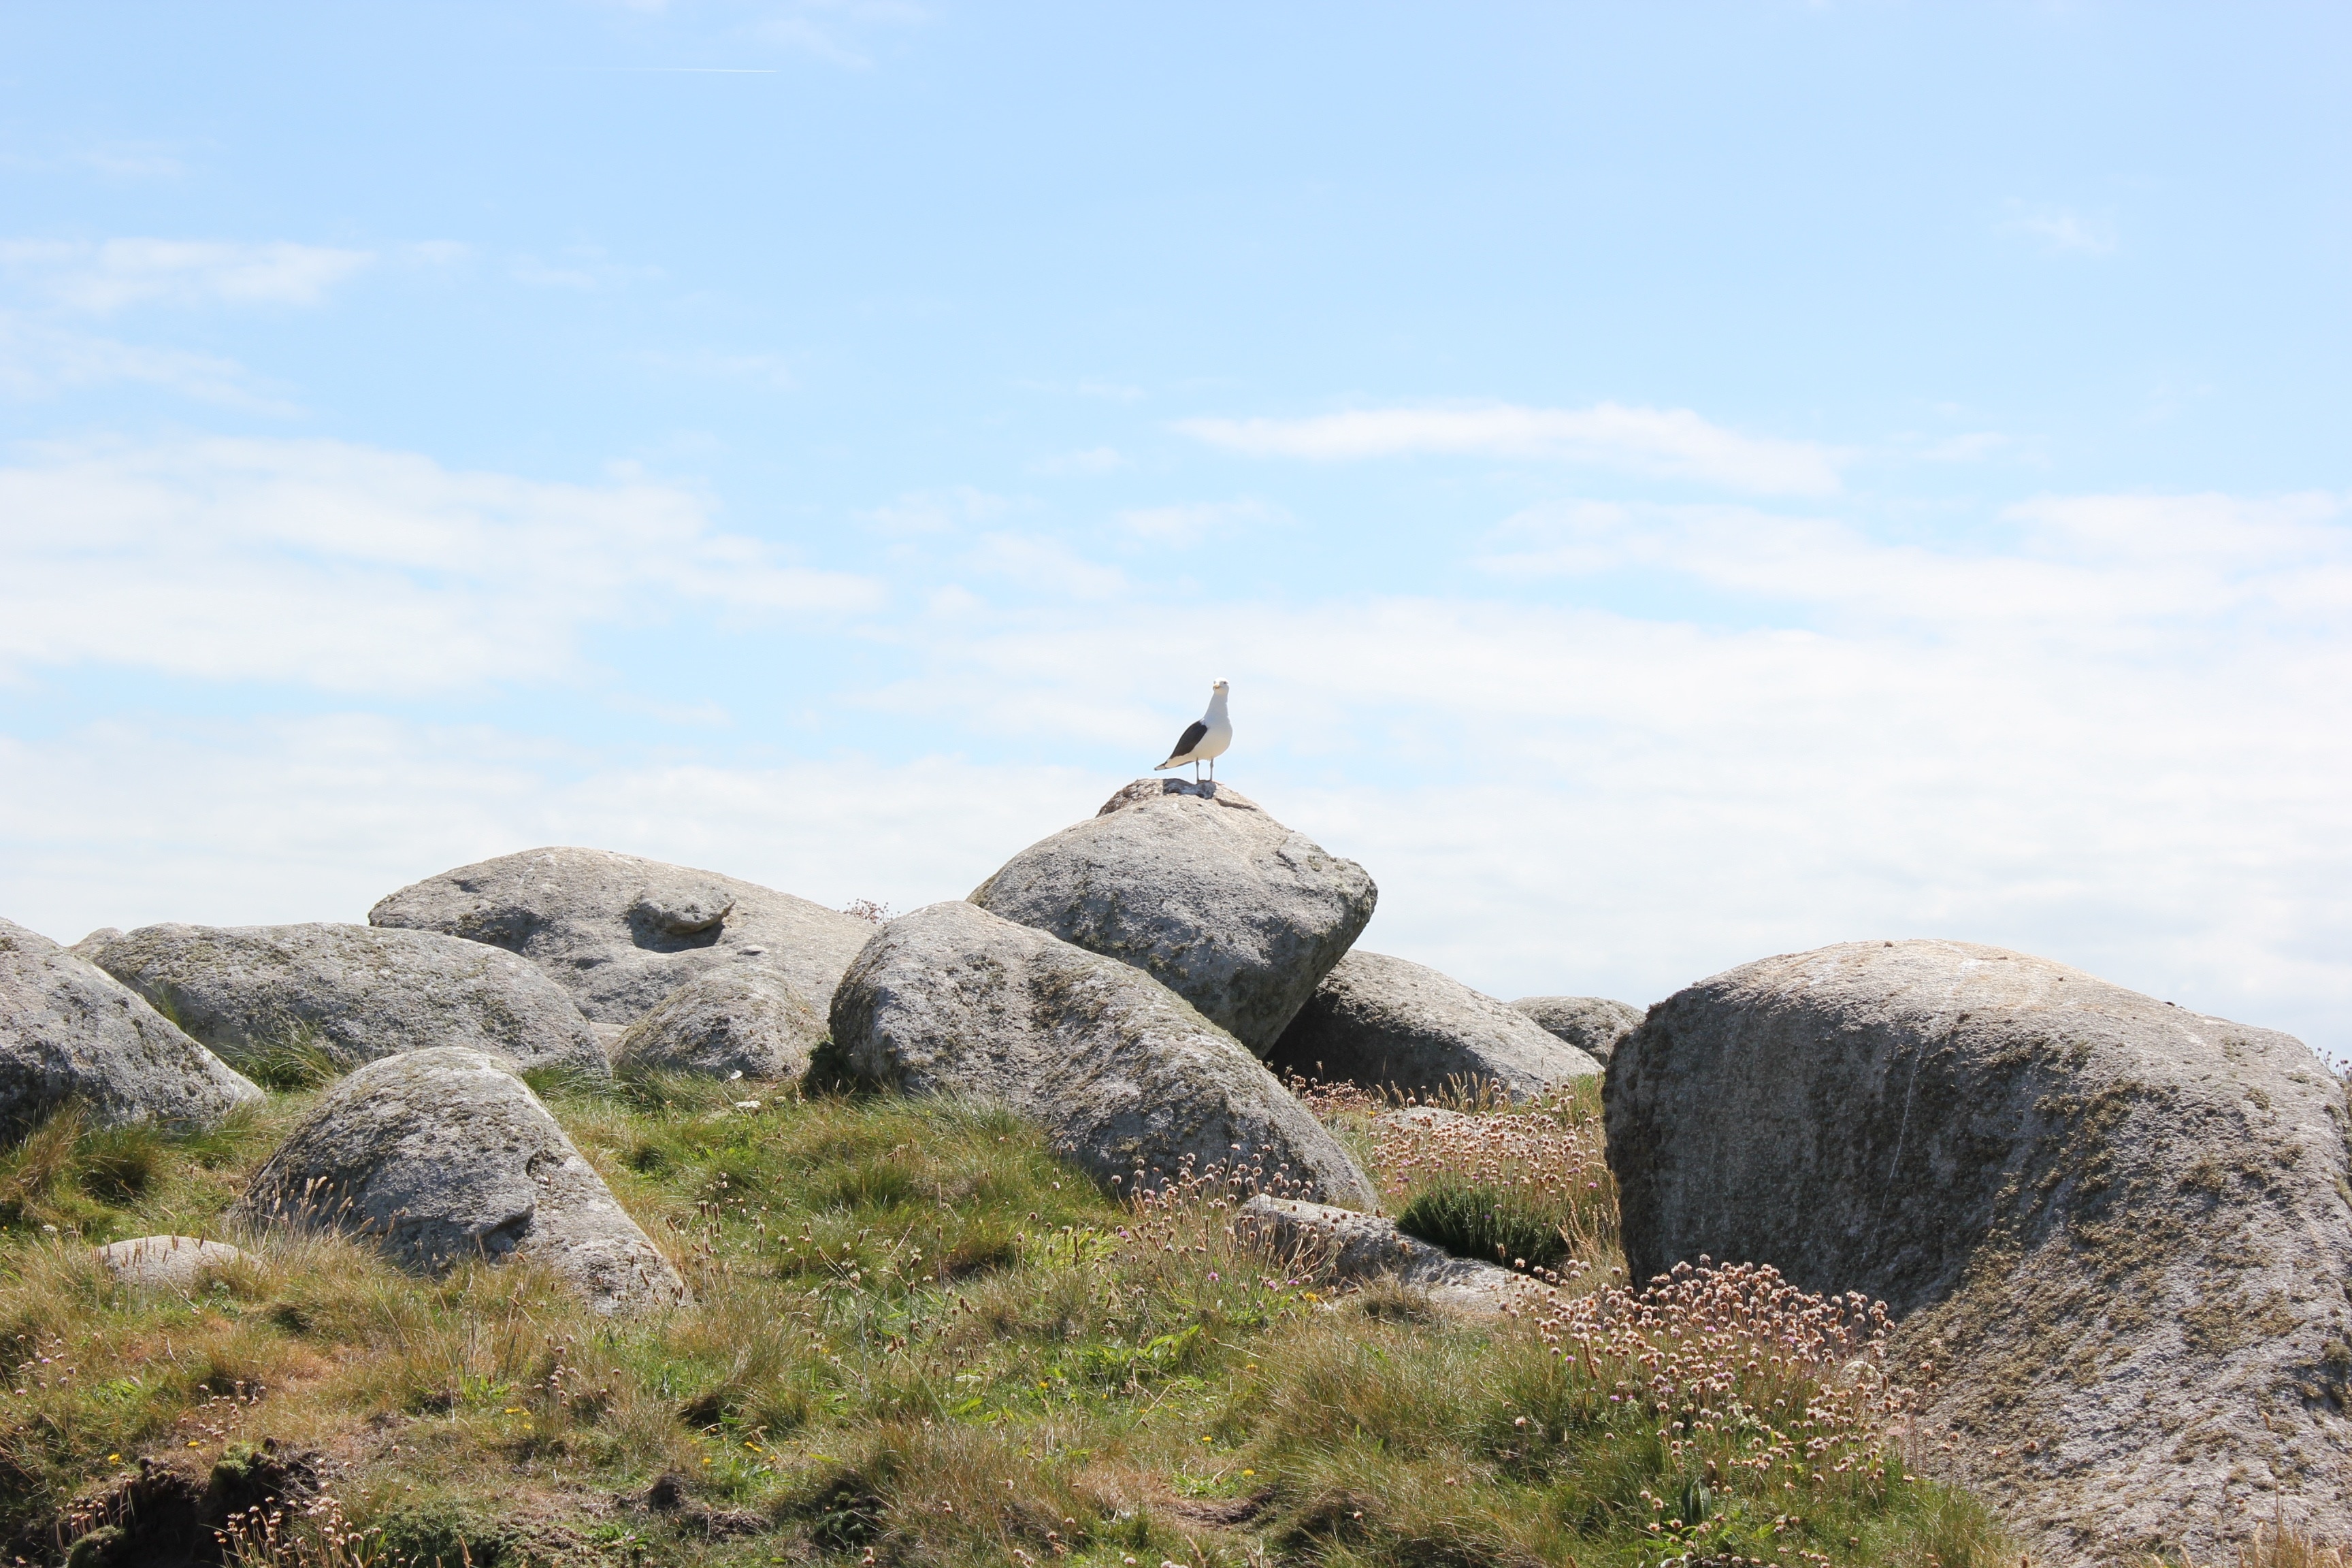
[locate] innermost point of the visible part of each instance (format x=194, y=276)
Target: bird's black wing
x=1194, y=733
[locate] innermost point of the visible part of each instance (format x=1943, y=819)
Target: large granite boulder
x=442, y=1155
x=1390, y=1024
x=1593, y=1025
x=356, y=992
x=1201, y=890
x=2118, y=1231
x=68, y=1031
x=732, y=1022
x=1127, y=1078
x=619, y=933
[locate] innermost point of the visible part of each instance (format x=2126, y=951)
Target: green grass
x=916, y=1334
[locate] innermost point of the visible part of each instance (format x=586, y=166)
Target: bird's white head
x=1219, y=688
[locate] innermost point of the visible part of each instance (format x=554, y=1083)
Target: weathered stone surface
x=1389, y=1023
x=166, y=1262
x=1201, y=890
x=1343, y=1246
x=731, y=1020
x=1123, y=1074
x=619, y=933
x=442, y=1155
x=356, y=992
x=70, y=1031
x=90, y=946
x=1593, y=1025
x=2118, y=1230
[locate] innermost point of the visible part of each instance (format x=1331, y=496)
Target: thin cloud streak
x=111, y=275
x=351, y=569
x=1673, y=442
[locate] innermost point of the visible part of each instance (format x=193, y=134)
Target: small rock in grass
x=169, y=1262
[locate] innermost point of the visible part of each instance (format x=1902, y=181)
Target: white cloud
x=1092, y=460
x=2111, y=571
x=1046, y=566
x=37, y=360
x=919, y=512
x=109, y=275
x=1201, y=521
x=349, y=568
x=1672, y=442
x=2060, y=228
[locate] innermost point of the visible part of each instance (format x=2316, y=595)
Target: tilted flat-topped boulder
x=2118, y=1231
x=70, y=1032
x=1354, y=1248
x=619, y=933
x=1200, y=889
x=358, y=992
x=1126, y=1077
x=441, y=1156
x=1391, y=1024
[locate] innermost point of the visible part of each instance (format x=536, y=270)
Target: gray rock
x=355, y=991
x=1593, y=1025
x=731, y=1020
x=166, y=1262
x=442, y=1155
x=1200, y=889
x=90, y=946
x=1123, y=1074
x=1389, y=1023
x=2117, y=1231
x=70, y=1031
x=619, y=933
x=1347, y=1247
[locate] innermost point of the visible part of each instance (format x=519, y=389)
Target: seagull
x=1204, y=738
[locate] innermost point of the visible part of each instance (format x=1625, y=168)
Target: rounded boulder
x=619, y=932
x=1128, y=1080
x=70, y=1032
x=356, y=992
x=751, y=1022
x=443, y=1155
x=1391, y=1024
x=1201, y=889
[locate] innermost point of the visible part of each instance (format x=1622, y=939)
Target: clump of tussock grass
x=1524, y=1185
x=292, y=1054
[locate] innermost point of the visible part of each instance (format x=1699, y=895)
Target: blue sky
x=1668, y=484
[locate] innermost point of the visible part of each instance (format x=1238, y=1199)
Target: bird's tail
x=1163, y=767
